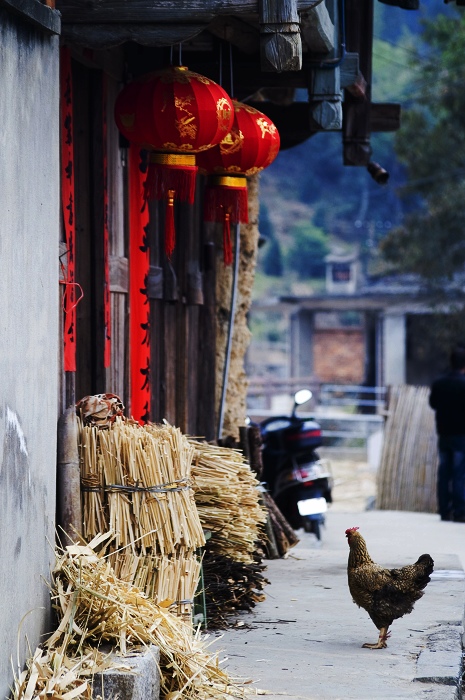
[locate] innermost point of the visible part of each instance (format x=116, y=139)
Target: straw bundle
x=135, y=482
x=94, y=607
x=227, y=496
x=227, y=499
x=408, y=468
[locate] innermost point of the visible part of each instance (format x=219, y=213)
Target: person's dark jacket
x=447, y=398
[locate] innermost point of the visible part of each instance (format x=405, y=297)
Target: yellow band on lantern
x=172, y=159
x=229, y=180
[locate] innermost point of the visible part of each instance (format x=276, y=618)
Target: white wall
x=29, y=235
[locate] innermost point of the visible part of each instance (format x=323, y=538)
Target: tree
x=264, y=224
x=431, y=144
x=307, y=251
x=272, y=259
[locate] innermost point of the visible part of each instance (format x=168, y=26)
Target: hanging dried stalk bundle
x=227, y=498
x=135, y=482
x=96, y=607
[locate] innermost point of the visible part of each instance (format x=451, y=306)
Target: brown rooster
x=385, y=594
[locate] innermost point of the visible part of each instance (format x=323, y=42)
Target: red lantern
x=250, y=146
x=175, y=114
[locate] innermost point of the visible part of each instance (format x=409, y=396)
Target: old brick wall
x=339, y=355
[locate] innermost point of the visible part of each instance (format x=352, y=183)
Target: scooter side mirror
x=302, y=396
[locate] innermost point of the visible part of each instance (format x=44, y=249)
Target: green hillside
x=311, y=203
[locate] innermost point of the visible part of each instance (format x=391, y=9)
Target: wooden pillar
x=280, y=41
x=357, y=109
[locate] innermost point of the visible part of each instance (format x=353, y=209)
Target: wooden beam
x=326, y=92
x=349, y=70
x=356, y=110
x=385, y=117
x=237, y=32
x=293, y=121
x=119, y=274
x=280, y=42
x=106, y=36
x=317, y=29
x=296, y=122
x=36, y=13
x=168, y=11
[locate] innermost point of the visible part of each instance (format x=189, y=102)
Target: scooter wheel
x=313, y=526
x=316, y=529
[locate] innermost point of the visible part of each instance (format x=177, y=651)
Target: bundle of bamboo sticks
x=228, y=500
x=408, y=468
x=135, y=482
x=96, y=607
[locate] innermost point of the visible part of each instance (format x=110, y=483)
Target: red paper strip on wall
x=139, y=307
x=106, y=236
x=67, y=199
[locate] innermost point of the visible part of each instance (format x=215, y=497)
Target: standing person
x=447, y=398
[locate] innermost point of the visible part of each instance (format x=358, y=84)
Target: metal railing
x=353, y=395
x=348, y=414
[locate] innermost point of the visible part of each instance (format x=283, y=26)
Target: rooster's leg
x=381, y=643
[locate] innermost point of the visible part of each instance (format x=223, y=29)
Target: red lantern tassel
x=226, y=200
x=219, y=198
x=227, y=247
x=170, y=234
x=171, y=171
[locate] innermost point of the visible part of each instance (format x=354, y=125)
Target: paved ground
x=305, y=640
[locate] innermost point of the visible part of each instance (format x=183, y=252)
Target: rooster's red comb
x=351, y=529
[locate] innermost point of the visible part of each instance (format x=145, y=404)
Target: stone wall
x=236, y=395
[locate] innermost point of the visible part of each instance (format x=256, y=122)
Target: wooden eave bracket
x=36, y=13
x=280, y=40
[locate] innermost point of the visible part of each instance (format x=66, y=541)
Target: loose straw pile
x=96, y=607
x=135, y=482
x=227, y=498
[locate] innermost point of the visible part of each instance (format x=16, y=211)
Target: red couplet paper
x=139, y=307
x=67, y=199
x=106, y=237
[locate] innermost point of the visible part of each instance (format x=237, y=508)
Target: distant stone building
x=375, y=332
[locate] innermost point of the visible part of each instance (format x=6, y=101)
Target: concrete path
x=305, y=640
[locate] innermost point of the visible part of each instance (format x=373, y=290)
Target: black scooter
x=298, y=480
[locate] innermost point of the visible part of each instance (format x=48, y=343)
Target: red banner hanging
x=106, y=236
x=67, y=198
x=139, y=262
